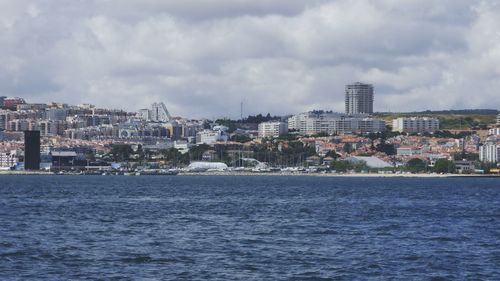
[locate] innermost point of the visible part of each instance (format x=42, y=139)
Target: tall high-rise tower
x=32, y=150
x=159, y=113
x=359, y=98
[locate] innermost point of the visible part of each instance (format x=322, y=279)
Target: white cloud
x=202, y=58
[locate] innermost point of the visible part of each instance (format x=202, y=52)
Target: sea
x=248, y=228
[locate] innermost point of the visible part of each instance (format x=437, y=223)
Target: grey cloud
x=202, y=58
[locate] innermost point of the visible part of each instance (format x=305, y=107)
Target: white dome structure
x=203, y=166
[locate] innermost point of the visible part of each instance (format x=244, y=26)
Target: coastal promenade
x=257, y=174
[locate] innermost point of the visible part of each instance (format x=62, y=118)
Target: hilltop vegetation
x=451, y=119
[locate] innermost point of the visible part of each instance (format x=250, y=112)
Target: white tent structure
x=371, y=161
x=205, y=166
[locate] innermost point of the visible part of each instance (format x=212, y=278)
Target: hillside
x=451, y=119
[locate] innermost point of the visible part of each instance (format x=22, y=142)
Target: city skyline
x=204, y=61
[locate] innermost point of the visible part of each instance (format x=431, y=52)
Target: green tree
x=230, y=124
x=348, y=148
x=240, y=138
x=340, y=166
x=415, y=165
x=444, y=166
x=386, y=148
x=121, y=152
x=196, y=152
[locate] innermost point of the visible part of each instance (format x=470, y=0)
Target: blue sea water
x=248, y=228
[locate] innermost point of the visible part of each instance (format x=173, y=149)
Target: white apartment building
x=8, y=160
x=415, y=124
x=408, y=151
x=311, y=123
x=489, y=152
x=272, y=129
x=210, y=137
x=144, y=114
x=159, y=113
x=494, y=132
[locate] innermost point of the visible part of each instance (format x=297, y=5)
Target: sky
x=202, y=58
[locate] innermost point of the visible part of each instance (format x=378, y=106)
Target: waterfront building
x=204, y=166
x=370, y=161
x=415, y=124
x=358, y=98
x=464, y=166
x=63, y=160
x=272, y=129
x=8, y=160
x=311, y=123
x=32, y=150
x=489, y=152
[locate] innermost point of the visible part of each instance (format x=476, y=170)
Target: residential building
x=8, y=160
x=11, y=103
x=489, y=152
x=210, y=137
x=408, y=151
x=272, y=129
x=159, y=113
x=311, y=123
x=56, y=114
x=494, y=132
x=358, y=98
x=31, y=106
x=415, y=124
x=144, y=114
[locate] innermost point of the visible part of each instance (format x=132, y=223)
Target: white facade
x=408, y=151
x=210, y=137
x=272, y=129
x=144, y=114
x=494, y=132
x=415, y=124
x=159, y=113
x=489, y=152
x=311, y=123
x=56, y=114
x=203, y=166
x=8, y=160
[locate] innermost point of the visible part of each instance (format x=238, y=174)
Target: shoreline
x=257, y=174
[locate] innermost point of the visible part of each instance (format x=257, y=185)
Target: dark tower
x=32, y=150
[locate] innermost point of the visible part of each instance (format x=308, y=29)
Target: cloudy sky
x=203, y=57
